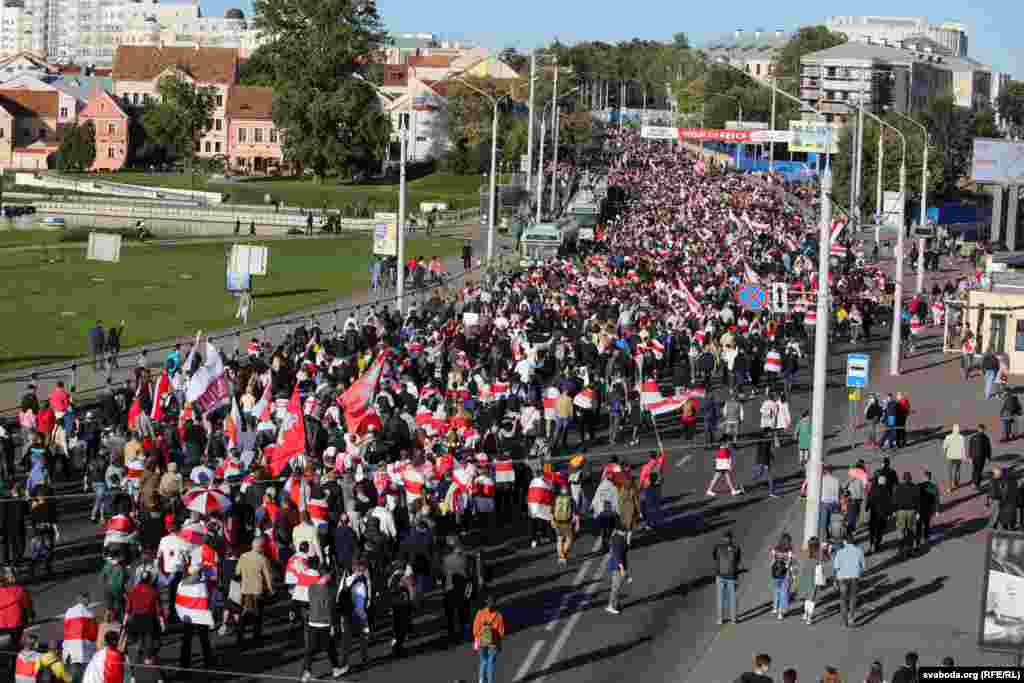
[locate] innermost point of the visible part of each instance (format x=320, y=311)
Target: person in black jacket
x=727, y=556
x=879, y=507
x=906, y=500
x=979, y=450
x=887, y=473
x=321, y=621
x=13, y=513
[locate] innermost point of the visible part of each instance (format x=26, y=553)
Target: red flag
x=264, y=405
x=135, y=410
x=357, y=402
x=233, y=424
x=292, y=439
x=163, y=386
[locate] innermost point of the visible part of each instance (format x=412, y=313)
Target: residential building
x=404, y=45
x=6, y=137
x=183, y=25
x=12, y=66
x=255, y=143
x=752, y=51
x=15, y=28
x=33, y=127
x=67, y=105
x=904, y=78
x=138, y=70
x=111, y=124
x=893, y=30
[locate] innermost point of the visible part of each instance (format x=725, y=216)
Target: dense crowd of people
x=360, y=467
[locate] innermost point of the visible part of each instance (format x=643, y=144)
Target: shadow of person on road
x=589, y=658
x=903, y=598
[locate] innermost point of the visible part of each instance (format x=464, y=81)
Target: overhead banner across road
x=730, y=135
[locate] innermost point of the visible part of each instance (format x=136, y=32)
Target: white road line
x=563, y=637
x=580, y=576
x=528, y=662
x=685, y=459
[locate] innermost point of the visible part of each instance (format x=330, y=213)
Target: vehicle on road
x=547, y=240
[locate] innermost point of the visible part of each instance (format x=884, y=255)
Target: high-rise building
x=951, y=35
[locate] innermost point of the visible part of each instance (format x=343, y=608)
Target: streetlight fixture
x=922, y=212
x=540, y=165
x=494, y=163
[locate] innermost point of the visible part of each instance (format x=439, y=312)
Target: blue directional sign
x=858, y=370
x=752, y=298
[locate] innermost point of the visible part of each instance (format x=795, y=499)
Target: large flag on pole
x=292, y=437
x=208, y=387
x=357, y=402
x=160, y=391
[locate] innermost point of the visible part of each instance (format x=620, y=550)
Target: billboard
x=659, y=133
x=998, y=162
x=746, y=125
x=1001, y=625
x=104, y=247
x=776, y=136
x=814, y=137
x=248, y=258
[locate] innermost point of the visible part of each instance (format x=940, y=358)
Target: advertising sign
x=776, y=136
x=893, y=209
x=659, y=133
x=385, y=239
x=715, y=134
x=746, y=125
x=247, y=258
x=858, y=370
x=814, y=137
x=999, y=162
x=104, y=247
x=1001, y=625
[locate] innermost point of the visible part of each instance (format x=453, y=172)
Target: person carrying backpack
x=488, y=634
x=565, y=519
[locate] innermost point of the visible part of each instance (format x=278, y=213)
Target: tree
x=180, y=116
x=330, y=116
x=77, y=150
x=681, y=41
x=807, y=40
x=953, y=128
x=1010, y=104
x=985, y=124
x=258, y=70
x=514, y=59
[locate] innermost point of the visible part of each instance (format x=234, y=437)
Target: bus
x=544, y=241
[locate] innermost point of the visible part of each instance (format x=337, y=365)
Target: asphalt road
x=557, y=625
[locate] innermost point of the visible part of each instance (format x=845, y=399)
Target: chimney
x=739, y=33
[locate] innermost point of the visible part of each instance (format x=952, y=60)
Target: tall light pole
x=403, y=133
x=540, y=165
x=897, y=308
x=771, y=125
x=492, y=202
x=554, y=136
x=529, y=129
x=922, y=210
x=859, y=176
x=816, y=461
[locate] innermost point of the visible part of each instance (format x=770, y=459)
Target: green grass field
x=457, y=190
x=167, y=291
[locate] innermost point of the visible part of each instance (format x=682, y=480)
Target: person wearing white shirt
x=525, y=369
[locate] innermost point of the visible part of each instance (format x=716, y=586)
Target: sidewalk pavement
x=929, y=604
x=89, y=381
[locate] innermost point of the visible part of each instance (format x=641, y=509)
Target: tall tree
x=807, y=40
x=953, y=127
x=330, y=116
x=514, y=59
x=179, y=117
x=77, y=150
x=1010, y=104
x=258, y=69
x=681, y=41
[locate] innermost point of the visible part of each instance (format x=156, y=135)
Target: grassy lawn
x=166, y=292
x=18, y=238
x=460, y=191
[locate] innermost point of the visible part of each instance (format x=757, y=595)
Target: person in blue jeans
x=781, y=562
x=727, y=558
x=488, y=634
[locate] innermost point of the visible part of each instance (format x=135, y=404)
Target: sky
x=993, y=26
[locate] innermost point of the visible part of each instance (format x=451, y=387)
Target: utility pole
x=859, y=179
x=540, y=166
x=771, y=125
x=400, y=270
x=897, y=306
x=529, y=129
x=494, y=185
x=879, y=200
x=816, y=461
x=923, y=213
x=554, y=138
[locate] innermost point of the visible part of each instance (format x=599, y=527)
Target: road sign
x=780, y=297
x=858, y=370
x=524, y=163
x=752, y=298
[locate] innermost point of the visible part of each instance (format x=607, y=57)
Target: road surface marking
x=685, y=459
x=570, y=626
x=580, y=576
x=528, y=662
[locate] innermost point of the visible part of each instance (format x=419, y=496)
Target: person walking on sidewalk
x=979, y=449
x=781, y=561
x=928, y=507
x=1008, y=414
x=848, y=564
x=1002, y=492
x=989, y=368
x=954, y=449
x=815, y=575
x=802, y=433
x=879, y=507
x=723, y=468
x=727, y=556
x=906, y=499
x=321, y=623
x=488, y=634
x=762, y=665
x=829, y=501
x=565, y=519
x=967, y=355
x=763, y=464
x=618, y=568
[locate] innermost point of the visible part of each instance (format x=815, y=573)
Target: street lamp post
x=400, y=254
x=554, y=136
x=922, y=210
x=540, y=165
x=529, y=129
x=492, y=202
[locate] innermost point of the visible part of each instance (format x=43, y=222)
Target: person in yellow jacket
x=51, y=661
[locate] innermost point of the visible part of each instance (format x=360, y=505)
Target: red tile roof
x=435, y=61
x=27, y=103
x=249, y=102
x=204, y=64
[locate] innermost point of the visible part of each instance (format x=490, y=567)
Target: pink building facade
x=111, y=124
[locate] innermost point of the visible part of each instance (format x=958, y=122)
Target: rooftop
x=884, y=53
x=248, y=102
x=29, y=103
x=204, y=64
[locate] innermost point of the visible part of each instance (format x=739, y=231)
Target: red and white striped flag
x=192, y=603
x=160, y=391
x=233, y=425
x=80, y=633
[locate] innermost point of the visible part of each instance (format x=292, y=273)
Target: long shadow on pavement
x=589, y=658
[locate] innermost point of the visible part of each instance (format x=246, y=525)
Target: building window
x=216, y=147
x=257, y=135
x=63, y=112
x=273, y=134
x=217, y=124
x=403, y=121
x=757, y=69
x=209, y=124
x=220, y=100
x=112, y=129
x=241, y=134
x=207, y=146
x=110, y=152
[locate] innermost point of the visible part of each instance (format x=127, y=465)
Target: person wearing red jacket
x=145, y=615
x=15, y=607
